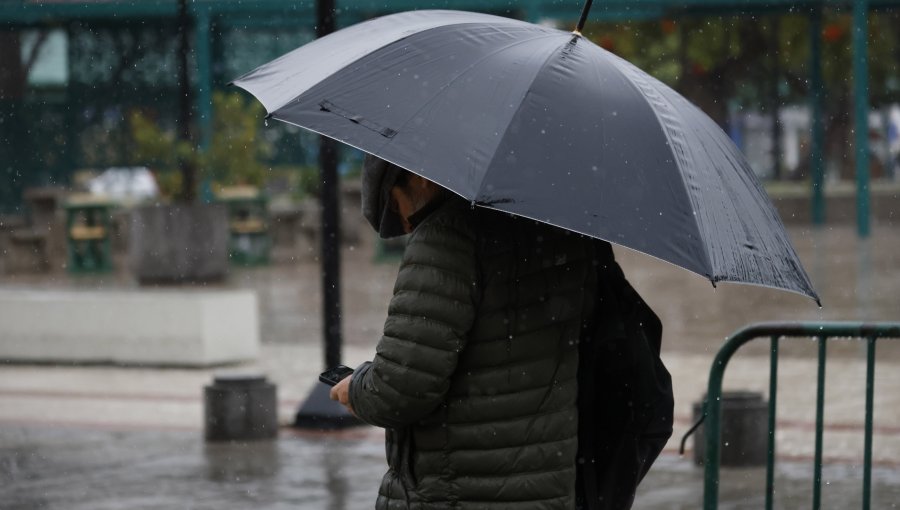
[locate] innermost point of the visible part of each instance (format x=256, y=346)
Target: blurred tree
x=18, y=56
x=714, y=60
x=709, y=60
x=14, y=67
x=236, y=153
x=837, y=49
x=235, y=156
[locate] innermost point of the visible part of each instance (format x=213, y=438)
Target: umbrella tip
x=584, y=15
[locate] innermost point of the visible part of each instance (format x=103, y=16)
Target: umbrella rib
x=547, y=61
x=645, y=91
x=374, y=51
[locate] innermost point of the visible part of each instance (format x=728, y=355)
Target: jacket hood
x=378, y=177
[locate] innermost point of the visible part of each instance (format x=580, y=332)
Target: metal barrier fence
x=821, y=331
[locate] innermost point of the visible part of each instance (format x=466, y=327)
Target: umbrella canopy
x=544, y=124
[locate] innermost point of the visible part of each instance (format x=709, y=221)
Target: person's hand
x=341, y=393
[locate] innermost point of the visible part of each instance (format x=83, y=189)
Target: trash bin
x=240, y=407
x=744, y=429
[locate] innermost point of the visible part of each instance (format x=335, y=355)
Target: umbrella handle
x=584, y=15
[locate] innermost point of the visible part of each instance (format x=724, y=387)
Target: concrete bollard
x=744, y=430
x=240, y=407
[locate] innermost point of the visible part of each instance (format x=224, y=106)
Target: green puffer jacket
x=475, y=376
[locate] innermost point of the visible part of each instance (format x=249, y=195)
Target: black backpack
x=625, y=401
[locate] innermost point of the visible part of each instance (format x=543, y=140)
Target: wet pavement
x=98, y=437
x=51, y=468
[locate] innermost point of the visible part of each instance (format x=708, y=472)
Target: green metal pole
x=816, y=93
x=820, y=418
x=712, y=430
x=861, y=116
x=773, y=405
x=867, y=452
x=712, y=410
x=712, y=407
x=204, y=84
x=775, y=98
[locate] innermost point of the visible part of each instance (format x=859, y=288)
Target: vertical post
x=870, y=392
x=318, y=411
x=331, y=256
x=71, y=150
x=820, y=416
x=861, y=113
x=713, y=433
x=203, y=56
x=331, y=281
x=188, y=172
x=773, y=406
x=776, y=100
x=712, y=410
x=817, y=147
x=682, y=55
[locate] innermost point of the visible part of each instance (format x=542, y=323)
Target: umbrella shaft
x=584, y=15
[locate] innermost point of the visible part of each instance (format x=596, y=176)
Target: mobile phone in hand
x=334, y=375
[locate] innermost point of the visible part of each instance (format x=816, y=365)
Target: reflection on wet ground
x=44, y=468
x=90, y=470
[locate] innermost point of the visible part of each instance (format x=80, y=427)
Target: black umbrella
x=544, y=124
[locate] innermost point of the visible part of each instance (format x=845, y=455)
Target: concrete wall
x=134, y=327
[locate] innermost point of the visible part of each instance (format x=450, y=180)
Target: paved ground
x=102, y=437
x=84, y=469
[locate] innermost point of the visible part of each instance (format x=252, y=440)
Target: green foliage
x=760, y=60
x=650, y=45
x=734, y=54
x=235, y=156
x=309, y=180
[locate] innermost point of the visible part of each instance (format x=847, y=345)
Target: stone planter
x=179, y=243
x=167, y=327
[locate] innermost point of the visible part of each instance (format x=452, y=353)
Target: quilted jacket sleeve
x=429, y=317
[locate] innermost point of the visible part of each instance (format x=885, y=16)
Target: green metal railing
x=821, y=331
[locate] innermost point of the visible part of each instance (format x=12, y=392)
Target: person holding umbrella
x=491, y=379
x=476, y=377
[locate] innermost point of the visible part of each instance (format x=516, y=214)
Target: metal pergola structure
x=286, y=13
